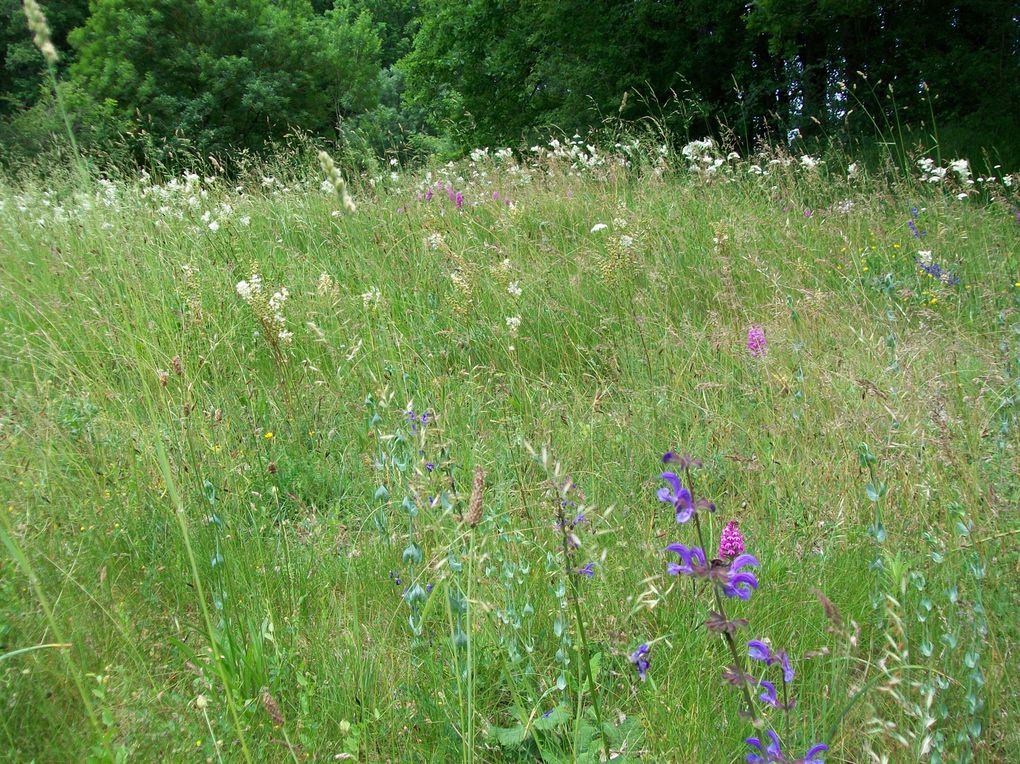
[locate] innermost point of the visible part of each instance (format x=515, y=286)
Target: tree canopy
x=240, y=74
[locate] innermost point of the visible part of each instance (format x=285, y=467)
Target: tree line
x=157, y=78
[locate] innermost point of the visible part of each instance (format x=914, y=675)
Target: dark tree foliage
x=761, y=69
x=225, y=74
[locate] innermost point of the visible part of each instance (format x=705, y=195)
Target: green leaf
x=510, y=737
x=552, y=719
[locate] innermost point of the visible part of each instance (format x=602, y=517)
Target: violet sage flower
x=737, y=582
x=640, y=660
x=759, y=651
x=767, y=754
x=730, y=576
x=678, y=496
x=587, y=570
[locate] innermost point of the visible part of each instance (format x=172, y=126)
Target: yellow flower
x=268, y=435
x=1017, y=284
x=896, y=246
x=865, y=267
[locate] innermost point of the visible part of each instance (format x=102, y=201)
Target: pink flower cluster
x=756, y=342
x=731, y=542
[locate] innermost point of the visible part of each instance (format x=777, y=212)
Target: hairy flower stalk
x=570, y=542
x=40, y=29
x=336, y=180
x=728, y=577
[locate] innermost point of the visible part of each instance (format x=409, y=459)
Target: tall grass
x=204, y=536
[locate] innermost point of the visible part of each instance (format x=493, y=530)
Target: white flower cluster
x=269, y=311
x=575, y=152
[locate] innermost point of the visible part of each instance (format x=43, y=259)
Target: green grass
x=258, y=498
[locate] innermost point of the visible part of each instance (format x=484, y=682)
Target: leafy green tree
x=227, y=74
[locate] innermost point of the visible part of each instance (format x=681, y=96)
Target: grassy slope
x=617, y=359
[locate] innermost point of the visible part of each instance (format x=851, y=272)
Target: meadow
x=292, y=475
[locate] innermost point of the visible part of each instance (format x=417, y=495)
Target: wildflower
x=756, y=342
x=961, y=167
x=429, y=466
x=766, y=754
x=514, y=289
x=513, y=323
x=268, y=435
x=731, y=542
x=759, y=651
x=730, y=576
x=599, y=227
x=736, y=582
x=692, y=561
x=685, y=461
x=678, y=496
x=769, y=696
x=935, y=271
x=914, y=230
x=587, y=570
x=459, y=200
x=640, y=660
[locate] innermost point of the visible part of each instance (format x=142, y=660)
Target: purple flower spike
x=587, y=570
x=738, y=583
x=428, y=195
x=459, y=200
x=640, y=660
x=731, y=543
x=757, y=345
x=678, y=496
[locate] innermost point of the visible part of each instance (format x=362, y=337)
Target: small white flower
x=924, y=255
x=513, y=323
x=514, y=289
x=214, y=225
x=626, y=241
x=245, y=220
x=961, y=196
x=599, y=227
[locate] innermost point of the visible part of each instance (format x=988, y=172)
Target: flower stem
x=738, y=663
